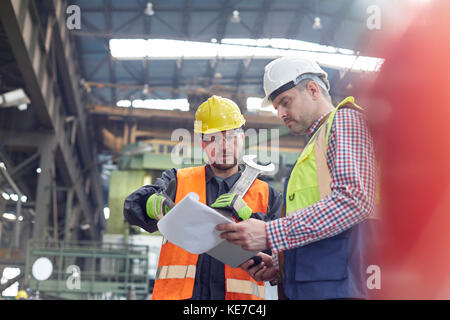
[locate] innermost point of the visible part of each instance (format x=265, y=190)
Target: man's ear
x=313, y=89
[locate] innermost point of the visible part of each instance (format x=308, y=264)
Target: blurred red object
x=409, y=111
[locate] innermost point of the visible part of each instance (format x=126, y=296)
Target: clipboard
x=191, y=224
x=231, y=254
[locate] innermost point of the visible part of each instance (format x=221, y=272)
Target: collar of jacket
x=230, y=181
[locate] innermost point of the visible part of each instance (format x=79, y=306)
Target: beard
x=223, y=167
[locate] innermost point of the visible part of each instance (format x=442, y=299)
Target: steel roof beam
x=258, y=30
x=328, y=36
x=176, y=78
x=67, y=59
x=187, y=18
x=149, y=114
x=112, y=73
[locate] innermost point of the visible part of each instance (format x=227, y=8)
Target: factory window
x=339, y=58
x=161, y=104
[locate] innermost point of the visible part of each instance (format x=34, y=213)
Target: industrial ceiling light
x=9, y=216
x=317, y=24
x=85, y=226
x=12, y=216
x=15, y=98
x=124, y=103
x=235, y=18
x=145, y=90
x=149, y=9
x=106, y=212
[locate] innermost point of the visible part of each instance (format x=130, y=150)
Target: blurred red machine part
x=409, y=112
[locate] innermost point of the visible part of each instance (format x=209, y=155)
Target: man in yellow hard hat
x=180, y=274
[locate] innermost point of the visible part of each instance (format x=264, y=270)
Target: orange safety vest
x=175, y=276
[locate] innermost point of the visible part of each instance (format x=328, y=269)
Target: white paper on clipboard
x=191, y=225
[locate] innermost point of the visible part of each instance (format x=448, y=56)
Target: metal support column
x=44, y=190
x=69, y=203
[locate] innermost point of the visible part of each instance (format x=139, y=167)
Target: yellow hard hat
x=22, y=294
x=217, y=114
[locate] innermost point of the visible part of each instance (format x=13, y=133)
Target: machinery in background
x=88, y=271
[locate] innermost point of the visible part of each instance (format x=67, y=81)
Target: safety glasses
x=219, y=137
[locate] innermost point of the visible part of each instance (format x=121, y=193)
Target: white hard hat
x=285, y=73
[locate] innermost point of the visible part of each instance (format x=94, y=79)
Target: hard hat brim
x=266, y=102
x=207, y=131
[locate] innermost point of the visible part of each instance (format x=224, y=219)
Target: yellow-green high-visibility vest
x=310, y=179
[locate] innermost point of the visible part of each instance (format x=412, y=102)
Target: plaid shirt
x=351, y=162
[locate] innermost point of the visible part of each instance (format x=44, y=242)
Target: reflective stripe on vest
x=245, y=287
x=176, y=272
x=176, y=267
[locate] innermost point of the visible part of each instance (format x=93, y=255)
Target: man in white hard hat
x=319, y=243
